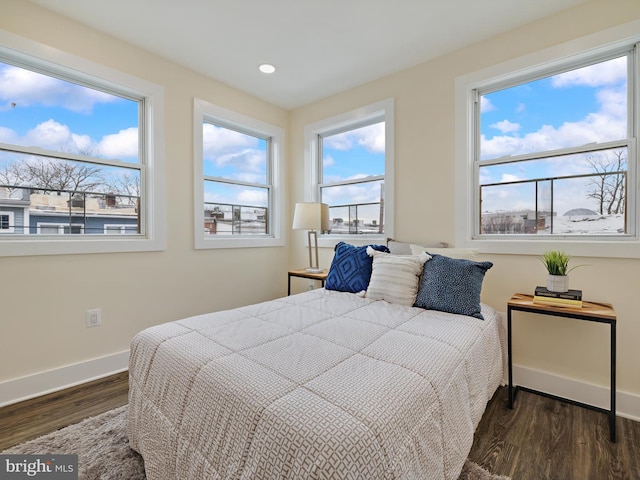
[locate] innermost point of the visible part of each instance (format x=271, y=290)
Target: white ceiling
x=319, y=47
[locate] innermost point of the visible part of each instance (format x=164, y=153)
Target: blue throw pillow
x=350, y=269
x=452, y=285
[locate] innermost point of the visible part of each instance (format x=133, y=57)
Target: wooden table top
x=590, y=309
x=303, y=273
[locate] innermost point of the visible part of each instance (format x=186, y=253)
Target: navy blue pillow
x=452, y=285
x=351, y=268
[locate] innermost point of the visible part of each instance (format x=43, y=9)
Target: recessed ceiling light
x=266, y=68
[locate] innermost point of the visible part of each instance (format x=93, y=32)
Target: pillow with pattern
x=350, y=269
x=452, y=285
x=394, y=278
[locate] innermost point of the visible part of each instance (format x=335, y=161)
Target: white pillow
x=468, y=253
x=395, y=278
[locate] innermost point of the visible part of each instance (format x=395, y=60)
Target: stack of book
x=571, y=298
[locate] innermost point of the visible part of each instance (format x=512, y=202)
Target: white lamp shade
x=311, y=216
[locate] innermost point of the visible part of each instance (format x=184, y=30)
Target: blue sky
x=230, y=154
x=236, y=156
x=351, y=155
x=572, y=109
x=38, y=110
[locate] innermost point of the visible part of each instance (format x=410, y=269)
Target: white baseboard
x=627, y=404
x=30, y=386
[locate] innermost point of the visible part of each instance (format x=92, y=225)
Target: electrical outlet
x=311, y=286
x=93, y=318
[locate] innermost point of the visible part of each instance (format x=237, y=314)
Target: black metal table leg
x=509, y=359
x=612, y=413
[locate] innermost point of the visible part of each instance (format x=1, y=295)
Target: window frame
x=344, y=122
x=570, y=55
x=220, y=116
x=50, y=61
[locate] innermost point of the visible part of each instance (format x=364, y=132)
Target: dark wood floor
x=32, y=418
x=544, y=439
x=541, y=439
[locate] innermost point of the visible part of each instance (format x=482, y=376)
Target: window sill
x=624, y=248
x=71, y=246
x=330, y=241
x=237, y=242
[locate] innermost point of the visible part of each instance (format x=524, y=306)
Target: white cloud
x=505, y=126
x=248, y=160
x=217, y=140
x=257, y=198
x=486, y=105
x=228, y=148
x=351, y=194
x=53, y=135
x=611, y=72
x=238, y=195
x=8, y=136
x=371, y=137
x=338, y=178
x=26, y=88
x=610, y=122
x=328, y=161
x=508, y=177
x=118, y=145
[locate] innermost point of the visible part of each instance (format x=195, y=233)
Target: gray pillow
x=404, y=248
x=452, y=285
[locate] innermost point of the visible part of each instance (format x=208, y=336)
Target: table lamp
x=312, y=217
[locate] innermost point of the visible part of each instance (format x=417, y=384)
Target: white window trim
x=383, y=109
x=11, y=216
x=122, y=227
x=590, y=45
x=219, y=115
x=60, y=226
x=153, y=182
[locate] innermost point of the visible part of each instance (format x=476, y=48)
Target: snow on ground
x=586, y=225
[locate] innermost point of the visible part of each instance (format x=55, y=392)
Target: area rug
x=103, y=451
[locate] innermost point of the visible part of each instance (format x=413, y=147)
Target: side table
x=321, y=277
x=590, y=311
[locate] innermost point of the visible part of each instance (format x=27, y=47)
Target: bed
x=324, y=384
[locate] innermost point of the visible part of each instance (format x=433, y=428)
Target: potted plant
x=557, y=265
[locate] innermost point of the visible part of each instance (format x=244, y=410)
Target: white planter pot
x=558, y=283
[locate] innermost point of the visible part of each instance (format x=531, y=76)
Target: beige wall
x=44, y=298
x=425, y=196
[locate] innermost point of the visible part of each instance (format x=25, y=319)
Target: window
x=238, y=179
x=553, y=152
x=59, y=228
x=551, y=155
x=75, y=152
x=7, y=224
x=349, y=167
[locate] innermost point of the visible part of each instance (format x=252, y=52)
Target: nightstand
x=591, y=312
x=321, y=277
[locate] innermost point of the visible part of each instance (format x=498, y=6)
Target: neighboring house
x=40, y=214
x=516, y=222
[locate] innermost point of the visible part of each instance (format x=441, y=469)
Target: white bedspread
x=320, y=385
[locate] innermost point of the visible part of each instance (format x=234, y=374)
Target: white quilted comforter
x=320, y=385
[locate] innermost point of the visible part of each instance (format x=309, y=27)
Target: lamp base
x=314, y=270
